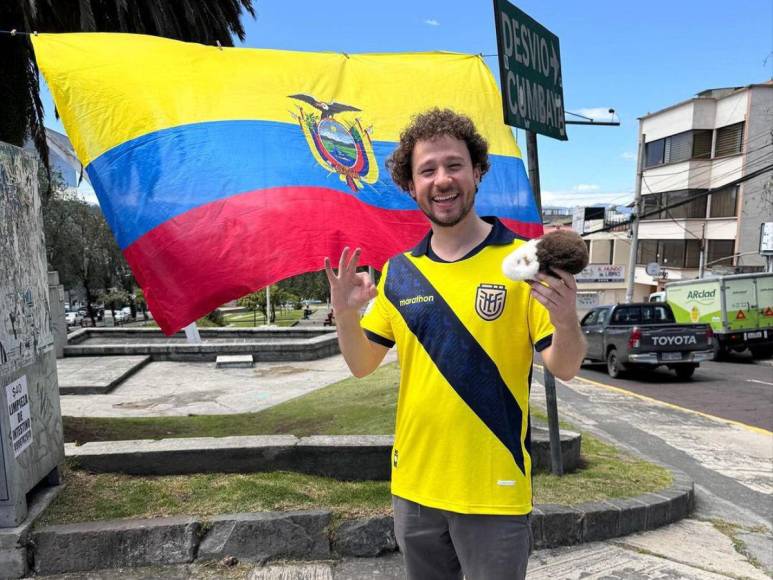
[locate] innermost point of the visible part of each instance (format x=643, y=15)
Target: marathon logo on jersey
x=490, y=301
x=417, y=300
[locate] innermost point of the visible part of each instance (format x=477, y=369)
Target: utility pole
x=556, y=463
x=630, y=274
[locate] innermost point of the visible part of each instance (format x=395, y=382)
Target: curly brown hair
x=430, y=125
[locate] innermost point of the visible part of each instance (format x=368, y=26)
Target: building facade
x=694, y=152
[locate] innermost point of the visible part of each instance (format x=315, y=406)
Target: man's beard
x=449, y=224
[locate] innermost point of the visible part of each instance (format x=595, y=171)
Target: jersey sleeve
x=377, y=322
x=540, y=327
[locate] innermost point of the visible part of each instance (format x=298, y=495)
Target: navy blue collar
x=498, y=236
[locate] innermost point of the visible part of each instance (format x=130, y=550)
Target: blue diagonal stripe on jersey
x=457, y=355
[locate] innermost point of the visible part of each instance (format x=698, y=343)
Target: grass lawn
x=352, y=406
x=250, y=320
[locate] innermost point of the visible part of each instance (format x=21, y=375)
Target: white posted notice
x=19, y=411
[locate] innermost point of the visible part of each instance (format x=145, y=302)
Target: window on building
x=692, y=251
x=696, y=208
x=694, y=144
x=679, y=147
x=719, y=249
x=655, y=152
x=651, y=202
x=729, y=140
x=669, y=253
x=647, y=251
x=701, y=145
x=723, y=202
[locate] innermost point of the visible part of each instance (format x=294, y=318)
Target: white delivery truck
x=738, y=307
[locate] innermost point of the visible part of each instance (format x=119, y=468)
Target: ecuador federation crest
x=343, y=147
x=490, y=301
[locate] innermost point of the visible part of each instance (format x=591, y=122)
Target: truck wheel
x=684, y=372
x=719, y=350
x=761, y=351
x=614, y=367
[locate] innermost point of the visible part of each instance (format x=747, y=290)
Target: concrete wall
x=731, y=109
x=757, y=204
x=669, y=122
x=27, y=354
x=56, y=310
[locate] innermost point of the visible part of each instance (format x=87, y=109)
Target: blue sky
x=633, y=57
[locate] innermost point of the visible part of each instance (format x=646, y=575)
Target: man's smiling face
x=444, y=180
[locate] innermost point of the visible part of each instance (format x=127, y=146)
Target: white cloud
x=628, y=156
x=595, y=113
x=576, y=198
x=431, y=22
x=585, y=188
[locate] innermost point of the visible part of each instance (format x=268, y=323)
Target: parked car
x=646, y=335
x=73, y=318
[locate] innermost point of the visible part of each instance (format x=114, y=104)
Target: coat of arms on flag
x=339, y=146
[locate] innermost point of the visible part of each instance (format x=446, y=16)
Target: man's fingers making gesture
x=349, y=290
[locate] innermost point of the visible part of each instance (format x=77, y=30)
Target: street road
x=738, y=389
x=731, y=463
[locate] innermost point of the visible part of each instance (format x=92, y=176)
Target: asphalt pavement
x=737, y=388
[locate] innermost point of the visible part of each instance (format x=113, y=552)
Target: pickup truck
x=628, y=336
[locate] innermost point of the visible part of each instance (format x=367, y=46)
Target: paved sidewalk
x=179, y=388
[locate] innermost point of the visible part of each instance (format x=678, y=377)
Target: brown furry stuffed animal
x=560, y=249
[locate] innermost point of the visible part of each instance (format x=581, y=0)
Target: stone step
x=234, y=361
x=96, y=375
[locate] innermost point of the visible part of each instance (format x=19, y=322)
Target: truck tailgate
x=674, y=337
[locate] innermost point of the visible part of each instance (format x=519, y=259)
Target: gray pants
x=442, y=545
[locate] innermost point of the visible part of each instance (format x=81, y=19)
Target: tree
x=256, y=301
x=114, y=298
x=204, y=21
x=80, y=246
x=310, y=285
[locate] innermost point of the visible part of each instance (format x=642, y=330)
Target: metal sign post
x=551, y=401
x=533, y=99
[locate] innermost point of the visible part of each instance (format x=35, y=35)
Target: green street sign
x=530, y=71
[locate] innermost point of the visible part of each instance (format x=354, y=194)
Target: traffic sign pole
x=551, y=401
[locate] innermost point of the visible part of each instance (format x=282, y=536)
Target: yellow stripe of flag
x=111, y=88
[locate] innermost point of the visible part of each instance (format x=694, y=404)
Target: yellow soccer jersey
x=465, y=335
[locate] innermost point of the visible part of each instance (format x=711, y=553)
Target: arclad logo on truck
x=701, y=294
x=674, y=340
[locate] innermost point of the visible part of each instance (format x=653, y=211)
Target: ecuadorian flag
x=221, y=171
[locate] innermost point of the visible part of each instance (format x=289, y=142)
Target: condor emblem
x=490, y=301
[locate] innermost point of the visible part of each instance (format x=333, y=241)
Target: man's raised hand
x=349, y=290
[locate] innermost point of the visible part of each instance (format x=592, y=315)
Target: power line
x=763, y=159
x=747, y=177
x=709, y=168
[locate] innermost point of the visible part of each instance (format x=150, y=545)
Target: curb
x=262, y=344
x=105, y=388
x=312, y=535
x=343, y=457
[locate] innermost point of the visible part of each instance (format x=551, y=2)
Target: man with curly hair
x=461, y=467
